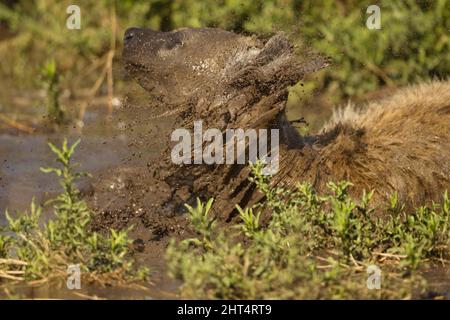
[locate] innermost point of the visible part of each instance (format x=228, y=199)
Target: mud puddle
x=110, y=147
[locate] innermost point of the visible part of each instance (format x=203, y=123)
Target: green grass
x=310, y=246
x=34, y=249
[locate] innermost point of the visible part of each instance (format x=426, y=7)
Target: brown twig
x=6, y=275
x=13, y=262
x=390, y=255
x=16, y=125
x=93, y=90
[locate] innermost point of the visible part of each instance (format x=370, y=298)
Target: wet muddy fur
x=401, y=143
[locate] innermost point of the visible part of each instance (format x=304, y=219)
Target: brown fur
x=401, y=143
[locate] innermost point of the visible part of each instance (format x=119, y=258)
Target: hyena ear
x=275, y=67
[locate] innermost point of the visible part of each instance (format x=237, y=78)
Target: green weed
x=34, y=249
x=313, y=246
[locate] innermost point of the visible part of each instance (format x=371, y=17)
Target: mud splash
x=116, y=152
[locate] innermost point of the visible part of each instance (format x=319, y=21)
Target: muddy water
x=107, y=145
x=23, y=156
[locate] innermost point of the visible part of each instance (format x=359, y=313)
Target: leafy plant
x=251, y=223
x=41, y=250
x=202, y=222
x=313, y=246
x=4, y=244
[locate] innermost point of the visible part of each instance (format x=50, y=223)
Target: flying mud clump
x=400, y=144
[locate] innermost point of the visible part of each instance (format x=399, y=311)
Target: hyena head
x=179, y=65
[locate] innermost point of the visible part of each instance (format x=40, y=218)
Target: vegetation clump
x=311, y=246
x=33, y=249
x=412, y=45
